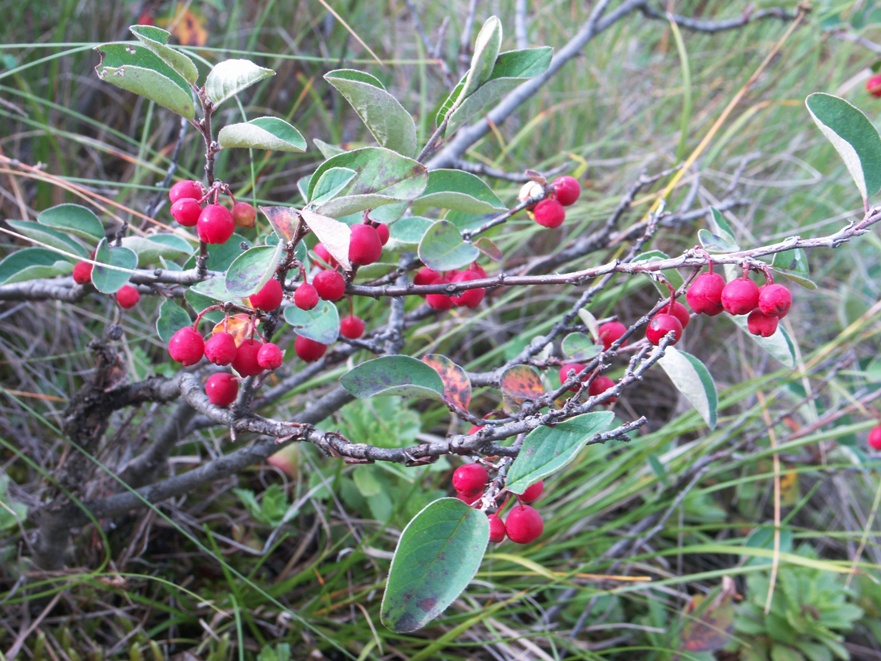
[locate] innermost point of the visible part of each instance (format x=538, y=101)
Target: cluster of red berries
x=551, y=212
x=213, y=222
x=469, y=298
x=523, y=523
x=607, y=334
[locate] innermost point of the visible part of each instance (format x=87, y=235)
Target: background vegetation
x=646, y=543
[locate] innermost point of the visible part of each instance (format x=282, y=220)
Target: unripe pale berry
x=524, y=524
x=245, y=362
x=128, y=296
x=269, y=297
x=740, y=296
x=82, y=272
x=270, y=357
x=705, y=294
x=352, y=327
x=186, y=211
x=528, y=190
x=565, y=371
x=875, y=435
x=496, y=528
x=660, y=325
x=610, y=332
x=220, y=349
x=873, y=85
x=329, y=285
x=600, y=385
x=187, y=189
x=761, y=324
x=244, y=215
x=533, y=493
x=215, y=224
x=222, y=389
x=306, y=296
x=308, y=350
x=364, y=245
x=567, y=189
x=470, y=478
x=549, y=213
x=775, y=300
x=186, y=346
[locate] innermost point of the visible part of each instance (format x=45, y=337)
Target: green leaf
x=546, y=450
x=693, y=380
x=228, y=78
x=32, y=263
x=221, y=256
x=443, y=248
x=779, y=345
x=719, y=226
x=262, y=133
x=331, y=183
x=462, y=191
x=149, y=250
x=716, y=242
x=410, y=230
x=252, y=269
x=156, y=39
x=854, y=137
x=384, y=116
x=172, y=318
x=327, y=150
x=486, y=50
x=321, y=323
x=113, y=268
x=672, y=275
x=438, y=554
x=73, y=219
x=333, y=234
x=135, y=68
x=393, y=375
x=383, y=177
x=47, y=237
x=579, y=346
x=793, y=265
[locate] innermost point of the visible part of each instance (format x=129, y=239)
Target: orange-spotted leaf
x=284, y=220
x=789, y=491
x=709, y=620
x=239, y=326
x=457, y=385
x=186, y=23
x=520, y=383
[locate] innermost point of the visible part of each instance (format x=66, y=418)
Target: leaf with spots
x=285, y=221
x=519, y=384
x=238, y=325
x=393, y=375
x=438, y=554
x=709, y=620
x=457, y=385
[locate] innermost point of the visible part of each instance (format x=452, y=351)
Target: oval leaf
x=331, y=183
x=779, y=345
x=547, y=449
x=73, y=219
x=384, y=116
x=580, y=346
x=457, y=385
x=172, y=318
x=156, y=39
x=150, y=250
x=284, y=221
x=438, y=554
x=488, y=248
x=47, y=237
x=393, y=375
x=410, y=230
x=321, y=323
x=32, y=263
x=462, y=191
x=693, y=380
x=252, y=269
x=333, y=234
x=443, y=248
x=854, y=138
x=228, y=78
x=113, y=267
x=486, y=50
x=262, y=133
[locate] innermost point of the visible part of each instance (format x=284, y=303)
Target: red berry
x=775, y=300
x=470, y=478
x=269, y=297
x=352, y=327
x=524, y=524
x=679, y=311
x=873, y=85
x=610, y=332
x=222, y=389
x=875, y=438
x=244, y=215
x=439, y=301
x=470, y=298
x=496, y=528
x=187, y=189
x=270, y=356
x=383, y=232
x=564, y=374
x=533, y=493
x=425, y=276
x=306, y=296
x=364, y=245
x=245, y=362
x=186, y=346
x=705, y=294
x=128, y=296
x=215, y=224
x=761, y=324
x=660, y=325
x=329, y=285
x=600, y=385
x=567, y=190
x=469, y=498
x=549, y=213
x=186, y=211
x=82, y=272
x=221, y=348
x=309, y=350
x=740, y=296
x=325, y=256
